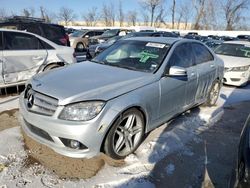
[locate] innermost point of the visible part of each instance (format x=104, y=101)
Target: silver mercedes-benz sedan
x=109, y=103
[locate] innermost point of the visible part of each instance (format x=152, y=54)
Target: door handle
x=212, y=65
x=37, y=58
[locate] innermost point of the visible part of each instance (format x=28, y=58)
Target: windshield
x=111, y=32
x=135, y=55
x=238, y=50
x=78, y=33
x=113, y=39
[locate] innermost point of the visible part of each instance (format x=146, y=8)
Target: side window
x=201, y=53
x=20, y=41
x=98, y=32
x=1, y=41
x=46, y=45
x=31, y=28
x=91, y=34
x=182, y=56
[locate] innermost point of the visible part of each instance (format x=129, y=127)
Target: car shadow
x=199, y=147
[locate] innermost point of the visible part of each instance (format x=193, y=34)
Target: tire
x=125, y=135
x=51, y=66
x=213, y=94
x=80, y=47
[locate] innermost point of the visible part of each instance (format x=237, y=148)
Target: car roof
x=165, y=40
x=238, y=42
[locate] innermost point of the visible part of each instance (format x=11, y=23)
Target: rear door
x=23, y=54
x=206, y=70
x=1, y=59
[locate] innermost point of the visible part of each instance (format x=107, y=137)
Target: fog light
x=74, y=144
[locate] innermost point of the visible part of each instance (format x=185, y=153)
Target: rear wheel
x=213, y=94
x=125, y=135
x=79, y=47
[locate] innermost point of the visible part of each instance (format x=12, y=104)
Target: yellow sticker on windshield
x=155, y=45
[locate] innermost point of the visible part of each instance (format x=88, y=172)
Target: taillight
x=64, y=40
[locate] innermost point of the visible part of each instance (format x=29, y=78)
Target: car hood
x=89, y=81
x=232, y=61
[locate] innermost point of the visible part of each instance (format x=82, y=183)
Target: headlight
x=101, y=40
x=82, y=111
x=238, y=69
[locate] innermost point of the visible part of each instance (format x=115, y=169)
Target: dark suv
x=53, y=32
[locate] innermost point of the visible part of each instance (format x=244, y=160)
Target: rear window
x=53, y=31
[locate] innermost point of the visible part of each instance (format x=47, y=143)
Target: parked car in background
x=236, y=56
x=243, y=161
x=95, y=49
x=139, y=83
x=98, y=48
x=24, y=54
x=243, y=37
x=79, y=39
x=107, y=35
x=70, y=30
x=53, y=32
x=211, y=43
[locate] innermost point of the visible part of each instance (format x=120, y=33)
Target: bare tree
x=233, y=11
x=210, y=15
x=45, y=15
x=120, y=14
x=151, y=6
x=108, y=14
x=3, y=13
x=173, y=13
x=29, y=12
x=66, y=14
x=145, y=18
x=91, y=17
x=199, y=6
x=160, y=17
x=132, y=18
x=184, y=15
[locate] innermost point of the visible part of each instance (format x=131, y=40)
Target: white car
x=236, y=56
x=24, y=54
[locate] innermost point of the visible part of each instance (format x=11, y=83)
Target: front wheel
x=125, y=135
x=213, y=94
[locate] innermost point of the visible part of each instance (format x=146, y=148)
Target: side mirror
x=177, y=71
x=86, y=36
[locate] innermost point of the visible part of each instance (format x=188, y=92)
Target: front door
x=178, y=92
x=23, y=54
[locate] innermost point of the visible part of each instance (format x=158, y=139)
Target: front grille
x=38, y=131
x=41, y=104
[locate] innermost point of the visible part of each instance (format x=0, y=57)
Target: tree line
x=201, y=14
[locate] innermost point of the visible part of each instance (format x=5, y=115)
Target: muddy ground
x=64, y=167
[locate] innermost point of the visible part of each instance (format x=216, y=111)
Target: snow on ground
x=138, y=166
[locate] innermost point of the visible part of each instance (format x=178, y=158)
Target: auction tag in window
x=155, y=45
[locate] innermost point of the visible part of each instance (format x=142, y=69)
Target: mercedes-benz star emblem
x=30, y=99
